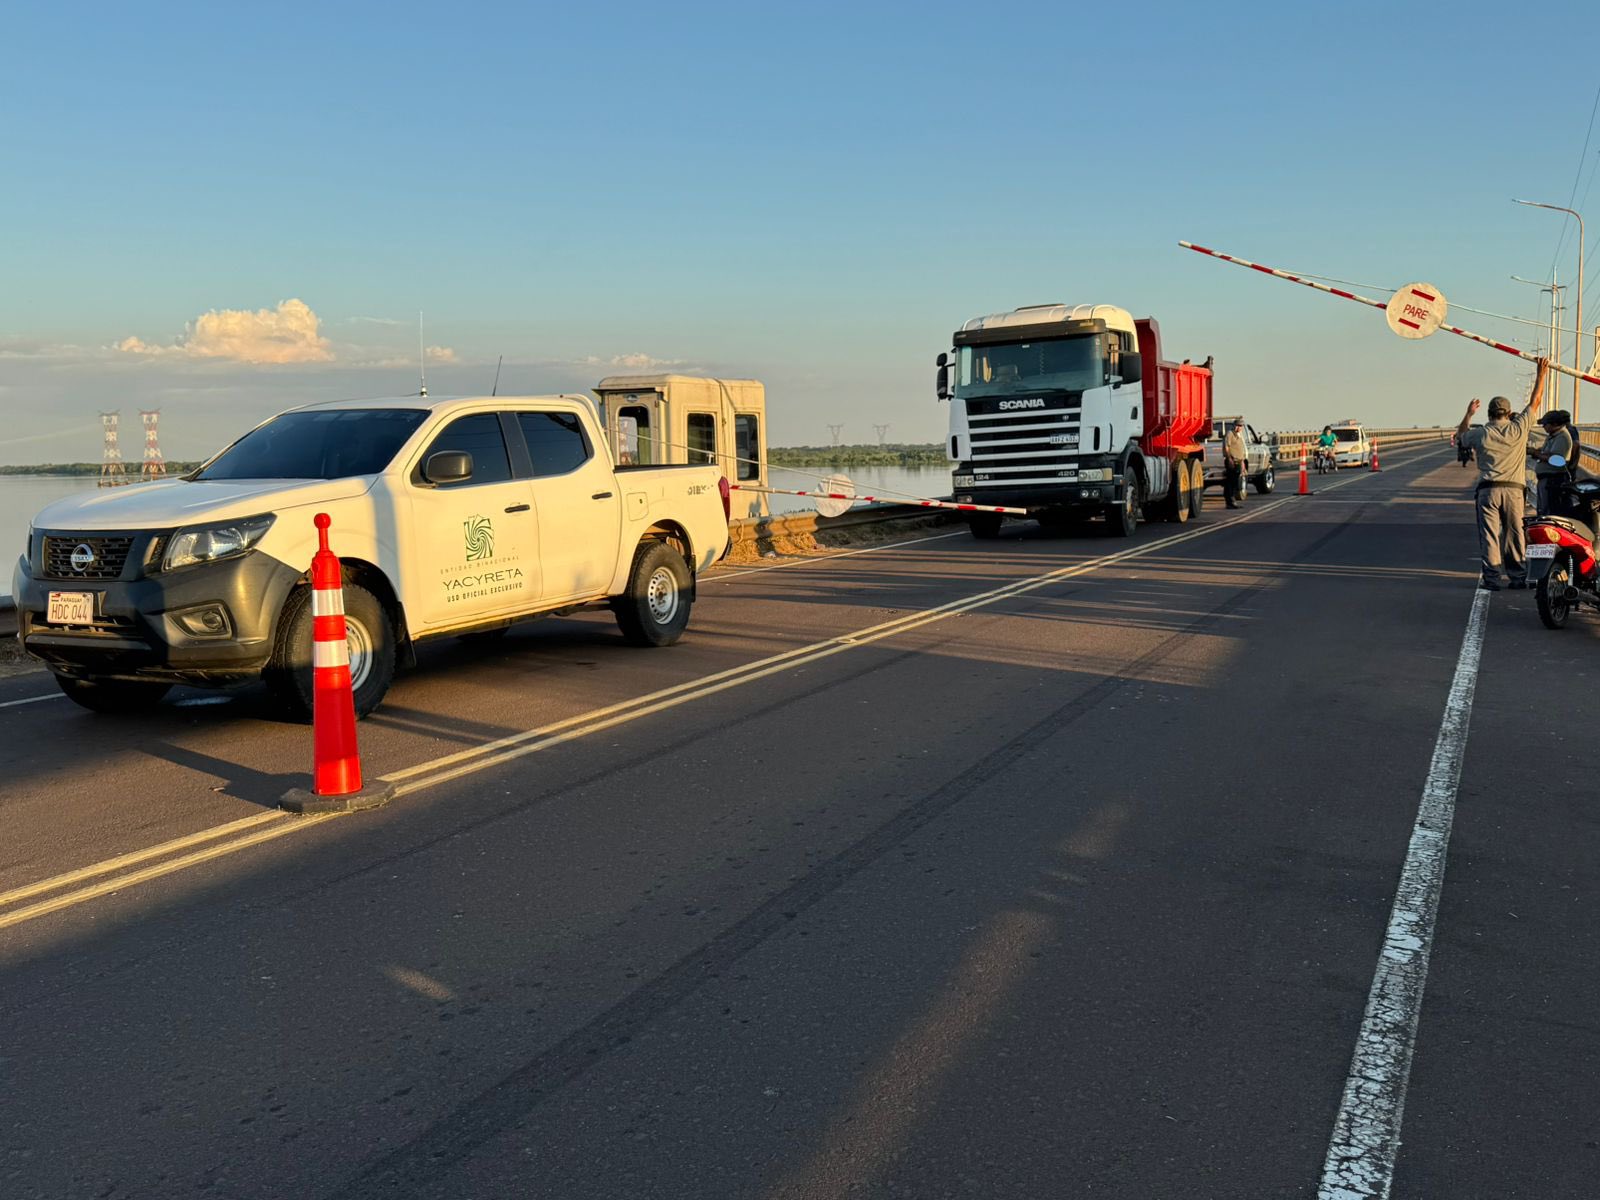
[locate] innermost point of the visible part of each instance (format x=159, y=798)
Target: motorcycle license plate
x=70, y=608
x=1546, y=551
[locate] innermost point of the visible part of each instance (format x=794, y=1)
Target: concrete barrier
x=799, y=532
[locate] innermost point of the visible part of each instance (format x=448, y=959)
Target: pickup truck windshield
x=331, y=444
x=1347, y=435
x=1004, y=369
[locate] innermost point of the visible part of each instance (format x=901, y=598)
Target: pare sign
x=1416, y=310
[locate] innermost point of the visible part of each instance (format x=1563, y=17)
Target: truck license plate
x=1545, y=551
x=1064, y=439
x=71, y=608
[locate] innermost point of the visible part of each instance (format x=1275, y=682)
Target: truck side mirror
x=941, y=382
x=448, y=466
x=1132, y=367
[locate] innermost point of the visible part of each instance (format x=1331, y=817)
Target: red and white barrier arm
x=1368, y=300
x=991, y=508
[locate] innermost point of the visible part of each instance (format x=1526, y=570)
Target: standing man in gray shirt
x=1502, y=450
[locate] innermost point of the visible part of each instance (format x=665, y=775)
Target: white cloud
x=286, y=334
x=441, y=354
x=633, y=362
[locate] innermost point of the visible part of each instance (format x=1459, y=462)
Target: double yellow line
x=36, y=900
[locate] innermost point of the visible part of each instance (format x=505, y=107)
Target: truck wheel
x=654, y=611
x=1265, y=482
x=1123, y=519
x=112, y=695
x=985, y=526
x=1197, y=494
x=1177, y=504
x=368, y=632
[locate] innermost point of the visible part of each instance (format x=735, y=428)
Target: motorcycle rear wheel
x=1554, y=607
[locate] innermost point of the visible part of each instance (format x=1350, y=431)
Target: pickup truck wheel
x=112, y=695
x=1265, y=482
x=368, y=633
x=985, y=526
x=654, y=611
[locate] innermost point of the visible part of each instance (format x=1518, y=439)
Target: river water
x=922, y=483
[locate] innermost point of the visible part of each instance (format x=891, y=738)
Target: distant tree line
x=89, y=468
x=894, y=454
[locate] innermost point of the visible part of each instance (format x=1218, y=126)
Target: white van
x=1353, y=448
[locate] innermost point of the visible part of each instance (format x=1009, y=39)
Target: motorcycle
x=1562, y=553
x=1325, y=461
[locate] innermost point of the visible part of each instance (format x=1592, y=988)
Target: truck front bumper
x=1064, y=495
x=209, y=623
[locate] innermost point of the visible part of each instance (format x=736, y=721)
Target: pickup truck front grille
x=91, y=556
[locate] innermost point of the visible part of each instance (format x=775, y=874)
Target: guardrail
x=1290, y=444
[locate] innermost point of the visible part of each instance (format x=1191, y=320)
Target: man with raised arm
x=1502, y=450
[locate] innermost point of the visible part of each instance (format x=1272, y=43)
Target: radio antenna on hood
x=422, y=357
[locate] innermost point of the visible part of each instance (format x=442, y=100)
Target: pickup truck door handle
x=519, y=508
x=601, y=496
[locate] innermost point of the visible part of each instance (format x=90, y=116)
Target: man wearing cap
x=1502, y=451
x=1233, y=464
x=1557, y=444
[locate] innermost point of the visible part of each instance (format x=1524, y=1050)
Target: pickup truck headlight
x=1094, y=475
x=208, y=543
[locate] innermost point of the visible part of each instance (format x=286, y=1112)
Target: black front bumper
x=135, y=633
x=1062, y=495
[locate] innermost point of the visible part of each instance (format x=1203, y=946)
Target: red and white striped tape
x=992, y=508
x=1344, y=295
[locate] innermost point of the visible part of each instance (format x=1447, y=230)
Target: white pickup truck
x=451, y=516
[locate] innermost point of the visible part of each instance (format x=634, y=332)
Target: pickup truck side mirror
x=448, y=466
x=941, y=384
x=1132, y=370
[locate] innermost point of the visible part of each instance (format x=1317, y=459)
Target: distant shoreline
x=80, y=470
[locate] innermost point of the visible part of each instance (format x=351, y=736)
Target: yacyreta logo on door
x=480, y=538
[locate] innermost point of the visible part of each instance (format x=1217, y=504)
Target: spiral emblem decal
x=480, y=538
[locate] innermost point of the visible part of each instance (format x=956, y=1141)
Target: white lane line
x=33, y=699
x=1366, y=1134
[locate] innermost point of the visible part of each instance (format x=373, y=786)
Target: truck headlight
x=208, y=543
x=1094, y=474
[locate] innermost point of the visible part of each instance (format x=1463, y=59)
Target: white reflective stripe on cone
x=330, y=654
x=327, y=602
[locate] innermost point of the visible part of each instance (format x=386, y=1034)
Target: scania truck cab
x=1047, y=412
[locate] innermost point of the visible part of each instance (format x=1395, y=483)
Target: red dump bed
x=1177, y=398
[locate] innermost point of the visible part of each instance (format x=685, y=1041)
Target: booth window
x=702, y=438
x=747, y=445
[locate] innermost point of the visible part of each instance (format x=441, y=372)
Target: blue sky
x=813, y=196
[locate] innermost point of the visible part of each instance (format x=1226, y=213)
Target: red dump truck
x=1045, y=415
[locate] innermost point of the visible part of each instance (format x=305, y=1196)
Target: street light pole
x=1555, y=290
x=1577, y=344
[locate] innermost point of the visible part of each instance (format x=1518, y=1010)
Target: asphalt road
x=1052, y=866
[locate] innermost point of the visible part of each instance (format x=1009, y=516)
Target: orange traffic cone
x=337, y=760
x=1305, y=485
x=1375, y=466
